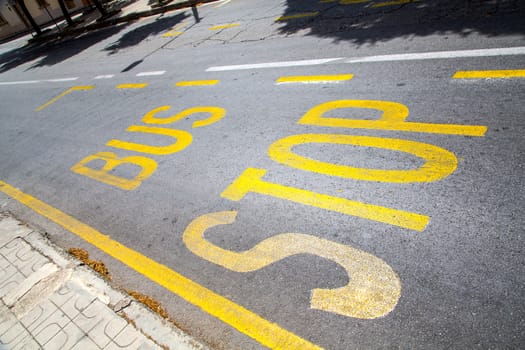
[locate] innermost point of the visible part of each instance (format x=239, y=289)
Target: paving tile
x=103, y=332
x=7, y=319
x=27, y=343
x=85, y=344
x=14, y=335
x=40, y=316
x=72, y=299
x=94, y=314
x=66, y=338
x=49, y=324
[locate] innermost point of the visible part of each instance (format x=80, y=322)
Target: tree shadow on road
x=54, y=52
x=137, y=35
x=370, y=21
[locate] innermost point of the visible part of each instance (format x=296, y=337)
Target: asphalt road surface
x=288, y=174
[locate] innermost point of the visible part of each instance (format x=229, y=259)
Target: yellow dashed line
x=56, y=98
x=175, y=31
x=267, y=333
x=132, y=86
x=224, y=26
x=314, y=79
x=490, y=74
x=171, y=33
x=351, y=2
x=392, y=3
x=197, y=83
x=299, y=15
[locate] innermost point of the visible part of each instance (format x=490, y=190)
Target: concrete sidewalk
x=118, y=12
x=50, y=300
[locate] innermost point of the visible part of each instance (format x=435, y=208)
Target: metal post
x=65, y=12
x=29, y=17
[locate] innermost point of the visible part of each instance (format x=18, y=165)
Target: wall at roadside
x=13, y=21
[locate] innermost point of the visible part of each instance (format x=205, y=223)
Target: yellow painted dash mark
x=265, y=332
x=225, y=26
x=171, y=33
x=132, y=86
x=54, y=99
x=352, y=2
x=314, y=79
x=175, y=31
x=299, y=15
x=490, y=74
x=197, y=83
x=392, y=3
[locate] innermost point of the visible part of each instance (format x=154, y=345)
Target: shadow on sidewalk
x=55, y=52
x=137, y=35
x=370, y=21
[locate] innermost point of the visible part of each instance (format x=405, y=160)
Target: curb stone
x=49, y=300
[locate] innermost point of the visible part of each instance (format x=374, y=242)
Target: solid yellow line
x=56, y=98
x=490, y=74
x=299, y=15
x=314, y=78
x=132, y=86
x=267, y=333
x=391, y=3
x=197, y=83
x=224, y=26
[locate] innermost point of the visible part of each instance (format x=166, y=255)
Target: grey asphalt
x=462, y=277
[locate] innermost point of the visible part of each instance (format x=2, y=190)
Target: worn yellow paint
x=197, y=83
x=392, y=3
x=147, y=165
x=132, y=86
x=373, y=289
x=251, y=181
x=183, y=138
x=225, y=26
x=351, y=2
x=216, y=114
x=326, y=1
x=296, y=16
x=393, y=118
x=314, y=78
x=175, y=30
x=490, y=74
x=68, y=91
x=439, y=163
x=245, y=321
x=172, y=33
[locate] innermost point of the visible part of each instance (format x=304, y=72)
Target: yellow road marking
x=372, y=291
x=351, y=2
x=439, y=163
x=314, y=78
x=393, y=118
x=490, y=74
x=74, y=88
x=171, y=33
x=175, y=30
x=132, y=86
x=245, y=321
x=392, y=3
x=251, y=181
x=224, y=26
x=299, y=15
x=197, y=83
